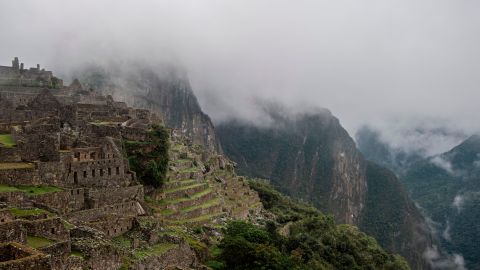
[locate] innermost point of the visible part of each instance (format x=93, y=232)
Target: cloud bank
x=369, y=62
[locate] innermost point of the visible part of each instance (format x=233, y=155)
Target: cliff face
x=165, y=90
x=312, y=157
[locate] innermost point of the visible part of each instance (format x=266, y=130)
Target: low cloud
x=446, y=233
x=444, y=164
x=441, y=261
x=376, y=62
x=458, y=202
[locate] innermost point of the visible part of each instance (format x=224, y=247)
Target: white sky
x=375, y=62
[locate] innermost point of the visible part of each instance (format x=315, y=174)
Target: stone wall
x=24, y=176
x=180, y=257
x=14, y=256
x=13, y=231
x=6, y=215
x=51, y=228
x=131, y=208
x=97, y=197
x=98, y=173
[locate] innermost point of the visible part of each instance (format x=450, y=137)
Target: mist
x=393, y=65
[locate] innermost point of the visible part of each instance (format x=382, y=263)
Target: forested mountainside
x=299, y=237
x=311, y=157
x=163, y=89
x=447, y=187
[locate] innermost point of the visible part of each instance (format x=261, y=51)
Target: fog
x=390, y=64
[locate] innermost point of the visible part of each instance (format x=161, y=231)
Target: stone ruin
x=63, y=166
x=69, y=138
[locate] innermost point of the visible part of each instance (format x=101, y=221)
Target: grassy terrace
x=185, y=182
x=38, y=242
x=193, y=197
x=183, y=188
x=16, y=165
x=154, y=250
x=189, y=170
x=27, y=212
x=207, y=204
x=30, y=190
x=7, y=140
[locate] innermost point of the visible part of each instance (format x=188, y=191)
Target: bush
x=149, y=159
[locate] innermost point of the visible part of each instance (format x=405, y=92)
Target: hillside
x=299, y=237
x=311, y=157
x=447, y=187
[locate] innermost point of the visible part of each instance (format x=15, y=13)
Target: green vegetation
x=149, y=159
x=301, y=238
x=7, y=140
x=123, y=242
x=38, y=241
x=154, y=250
x=207, y=204
x=16, y=165
x=30, y=190
x=27, y=212
x=183, y=199
x=183, y=188
x=77, y=254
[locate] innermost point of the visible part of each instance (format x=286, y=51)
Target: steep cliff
x=163, y=89
x=311, y=157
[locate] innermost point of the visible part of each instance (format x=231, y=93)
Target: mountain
x=164, y=89
x=311, y=157
x=447, y=187
x=375, y=149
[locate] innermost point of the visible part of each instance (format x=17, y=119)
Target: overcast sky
x=374, y=62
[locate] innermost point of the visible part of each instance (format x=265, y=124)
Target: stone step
x=179, y=175
x=179, y=183
x=207, y=208
x=184, y=191
x=197, y=221
x=195, y=199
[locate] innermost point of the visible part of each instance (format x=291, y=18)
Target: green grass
x=166, y=212
x=180, y=161
x=38, y=190
x=193, y=197
x=27, y=212
x=5, y=188
x=154, y=250
x=7, y=140
x=207, y=204
x=122, y=242
x=190, y=181
x=38, y=241
x=30, y=190
x=183, y=188
x=16, y=165
x=190, y=170
x=77, y=253
x=67, y=225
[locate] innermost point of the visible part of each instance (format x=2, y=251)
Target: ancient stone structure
x=67, y=190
